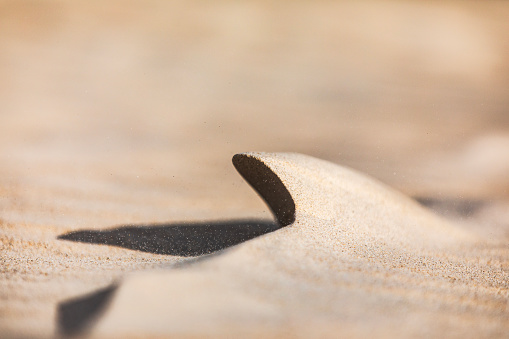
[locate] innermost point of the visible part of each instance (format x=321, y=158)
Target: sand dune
x=117, y=123
x=353, y=257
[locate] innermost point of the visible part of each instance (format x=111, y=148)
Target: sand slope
x=359, y=258
x=118, y=120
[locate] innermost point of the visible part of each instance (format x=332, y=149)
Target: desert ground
x=121, y=213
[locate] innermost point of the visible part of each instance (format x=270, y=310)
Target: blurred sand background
x=128, y=112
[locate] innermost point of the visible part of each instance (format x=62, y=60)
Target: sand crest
x=353, y=257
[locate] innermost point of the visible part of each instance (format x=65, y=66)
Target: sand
x=355, y=258
x=118, y=122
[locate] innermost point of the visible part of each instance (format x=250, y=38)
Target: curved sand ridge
x=356, y=259
x=343, y=201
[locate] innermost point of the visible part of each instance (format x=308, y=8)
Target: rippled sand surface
x=121, y=213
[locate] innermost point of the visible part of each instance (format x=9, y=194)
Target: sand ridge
x=352, y=269
x=118, y=121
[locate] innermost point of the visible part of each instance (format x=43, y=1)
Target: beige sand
x=118, y=121
x=359, y=259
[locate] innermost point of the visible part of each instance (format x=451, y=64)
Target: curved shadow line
x=179, y=239
x=268, y=185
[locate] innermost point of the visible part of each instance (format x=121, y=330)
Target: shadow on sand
x=75, y=316
x=180, y=239
x=450, y=207
x=196, y=239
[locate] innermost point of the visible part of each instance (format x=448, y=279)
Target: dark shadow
x=450, y=207
x=75, y=316
x=180, y=239
x=268, y=185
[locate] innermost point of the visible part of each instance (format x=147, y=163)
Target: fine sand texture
x=353, y=257
x=385, y=186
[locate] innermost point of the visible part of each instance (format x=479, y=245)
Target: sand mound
x=347, y=206
x=355, y=258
